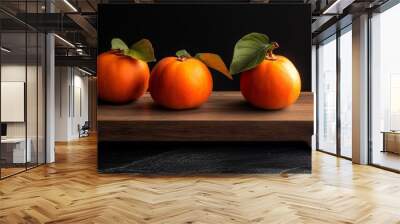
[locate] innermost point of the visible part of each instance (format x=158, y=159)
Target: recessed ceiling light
x=64, y=40
x=84, y=71
x=70, y=5
x=337, y=6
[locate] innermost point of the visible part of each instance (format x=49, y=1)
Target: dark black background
x=213, y=28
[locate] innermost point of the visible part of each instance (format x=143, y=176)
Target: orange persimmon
x=184, y=82
x=180, y=83
x=121, y=78
x=122, y=73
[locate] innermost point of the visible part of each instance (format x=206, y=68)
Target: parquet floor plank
x=72, y=191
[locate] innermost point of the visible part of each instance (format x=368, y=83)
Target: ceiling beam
x=337, y=7
x=79, y=61
x=89, y=30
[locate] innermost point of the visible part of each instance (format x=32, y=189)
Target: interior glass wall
x=346, y=92
x=22, y=93
x=32, y=99
x=41, y=98
x=326, y=95
x=385, y=89
x=334, y=92
x=13, y=87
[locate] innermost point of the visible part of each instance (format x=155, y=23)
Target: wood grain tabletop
x=224, y=117
x=221, y=106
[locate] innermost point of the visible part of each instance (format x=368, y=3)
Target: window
x=346, y=92
x=327, y=96
x=334, y=60
x=385, y=89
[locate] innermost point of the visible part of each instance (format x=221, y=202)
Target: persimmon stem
x=182, y=58
x=270, y=54
x=182, y=55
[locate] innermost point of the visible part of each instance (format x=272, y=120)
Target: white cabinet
x=17, y=145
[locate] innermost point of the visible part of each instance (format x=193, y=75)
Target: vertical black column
x=338, y=81
x=26, y=86
x=317, y=96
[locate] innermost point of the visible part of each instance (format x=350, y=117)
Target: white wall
x=62, y=81
x=33, y=127
x=83, y=82
x=16, y=72
x=71, y=103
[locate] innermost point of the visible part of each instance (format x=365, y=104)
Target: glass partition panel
x=41, y=79
x=385, y=89
x=327, y=96
x=14, y=153
x=22, y=64
x=346, y=93
x=32, y=98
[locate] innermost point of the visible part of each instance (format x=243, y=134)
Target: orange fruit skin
x=273, y=84
x=180, y=84
x=120, y=78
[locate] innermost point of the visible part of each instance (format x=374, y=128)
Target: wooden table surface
x=224, y=117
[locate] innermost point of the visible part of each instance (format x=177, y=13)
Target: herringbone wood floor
x=71, y=191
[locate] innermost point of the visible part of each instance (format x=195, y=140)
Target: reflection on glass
x=22, y=91
x=327, y=96
x=41, y=99
x=15, y=150
x=31, y=100
x=385, y=84
x=346, y=94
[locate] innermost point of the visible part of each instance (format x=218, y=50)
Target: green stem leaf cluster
x=141, y=50
x=250, y=51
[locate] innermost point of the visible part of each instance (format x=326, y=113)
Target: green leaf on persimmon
x=249, y=52
x=118, y=44
x=183, y=54
x=141, y=50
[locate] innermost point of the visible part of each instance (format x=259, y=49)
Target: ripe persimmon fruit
x=269, y=81
x=184, y=82
x=122, y=73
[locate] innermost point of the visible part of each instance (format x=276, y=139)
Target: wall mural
x=204, y=88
